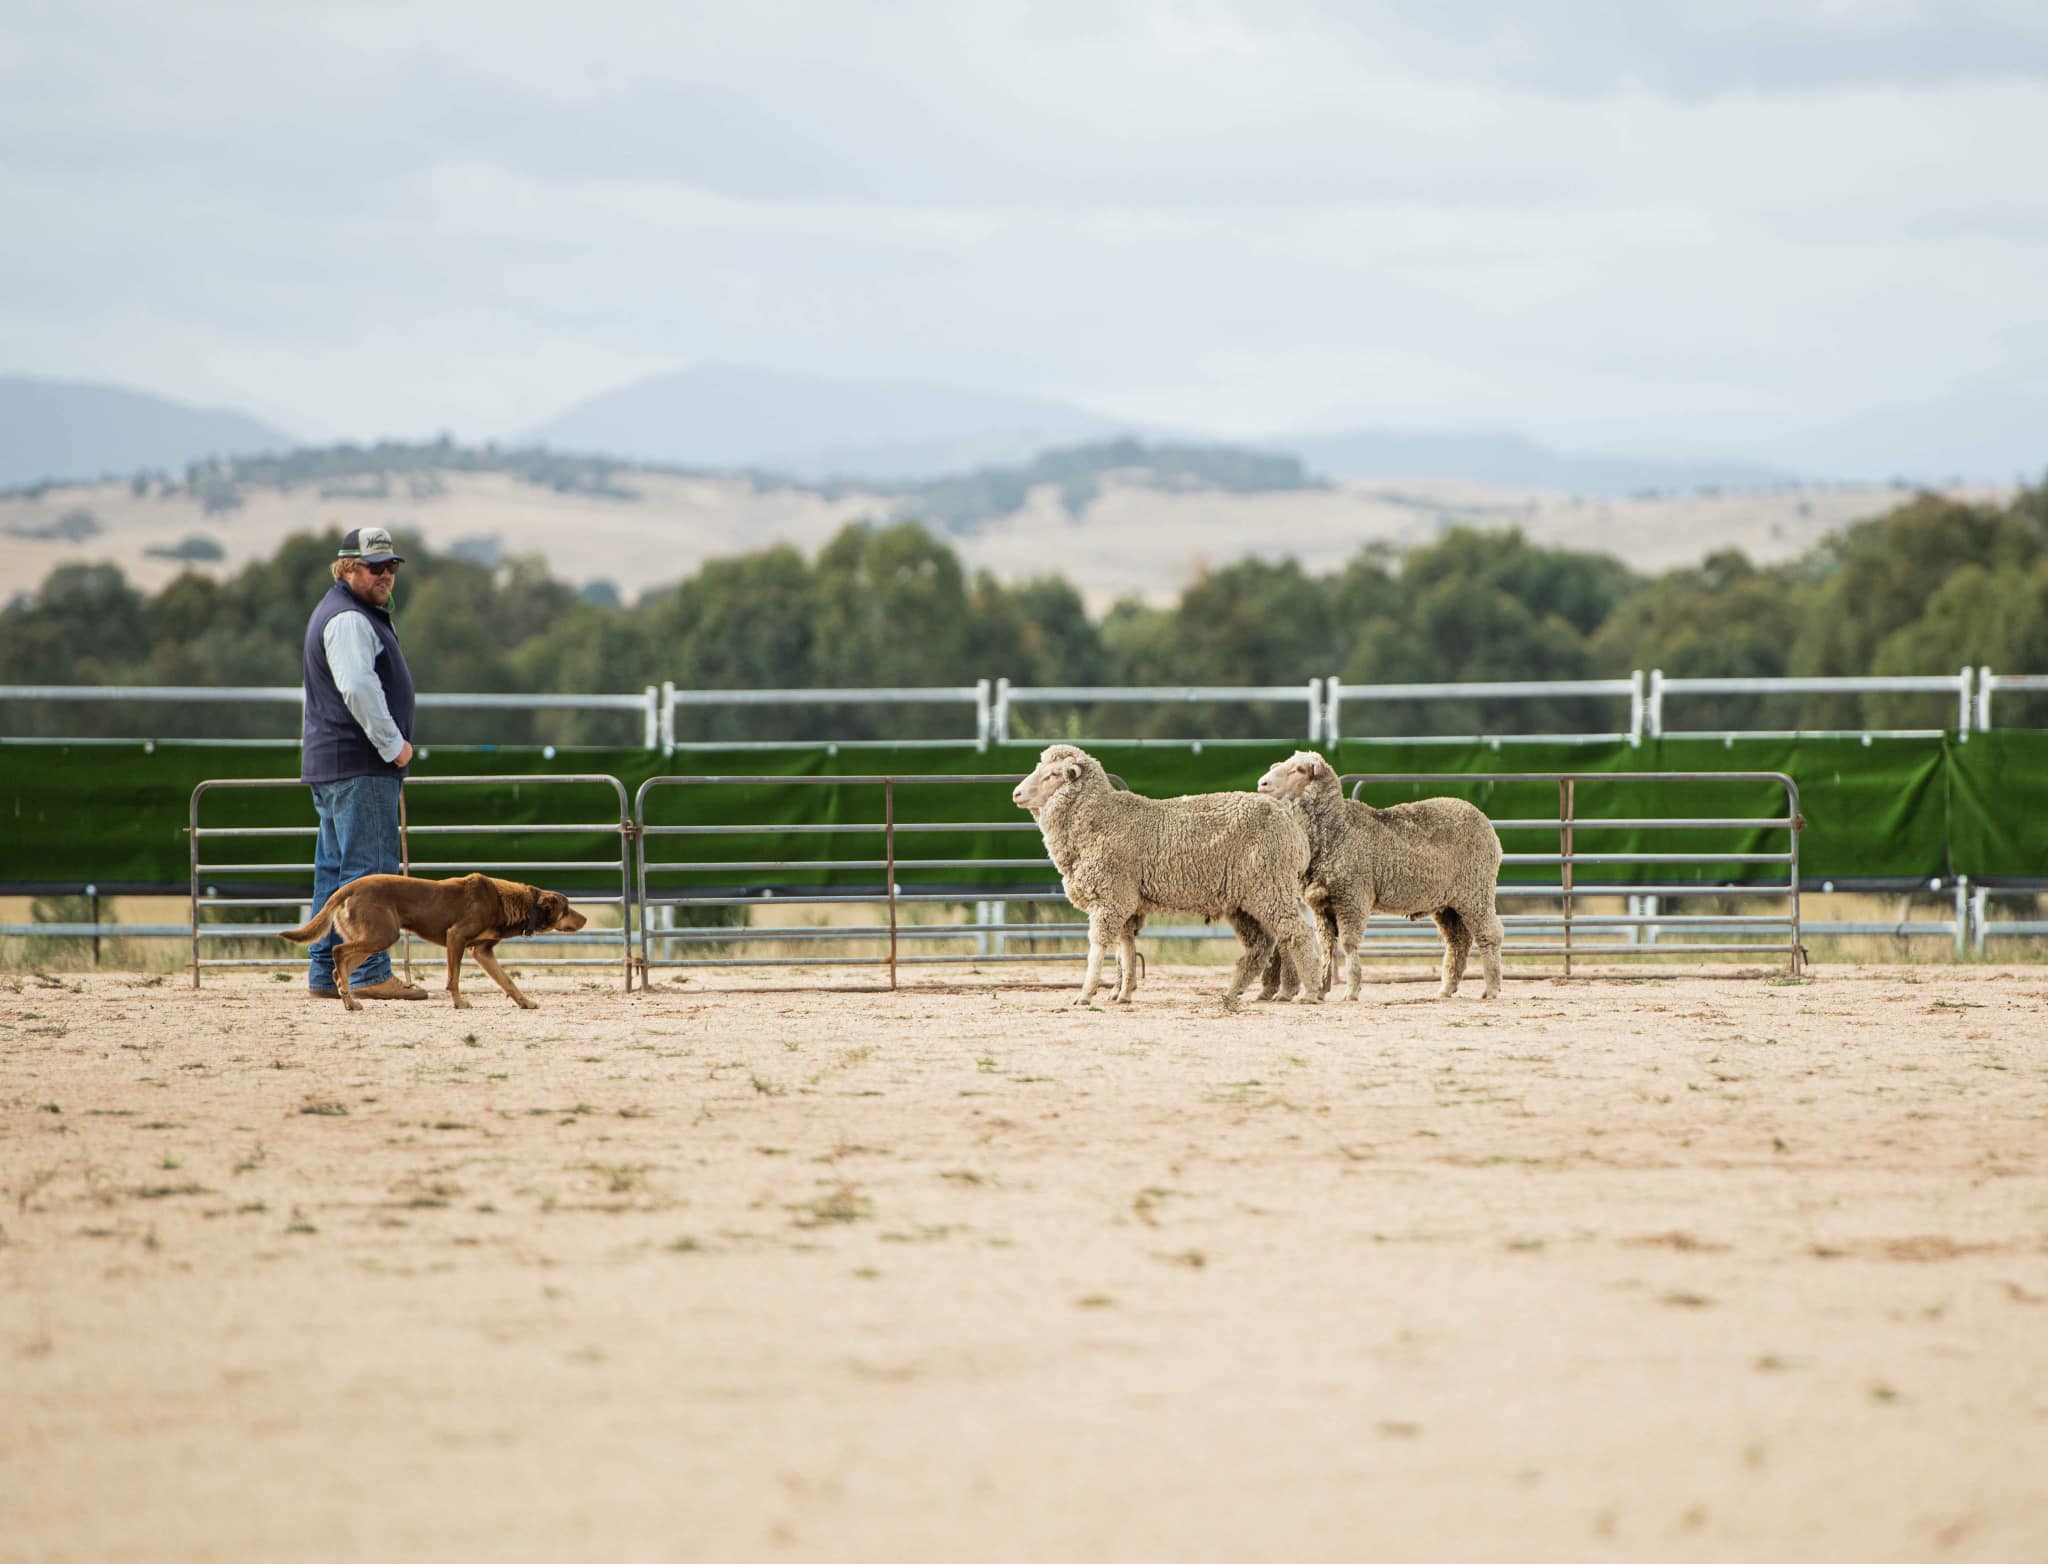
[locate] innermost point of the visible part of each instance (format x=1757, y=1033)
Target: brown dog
x=472, y=913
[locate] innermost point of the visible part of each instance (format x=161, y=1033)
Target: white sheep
x=1223, y=855
x=1437, y=857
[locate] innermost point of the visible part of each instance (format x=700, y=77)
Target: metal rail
x=673, y=698
x=891, y=826
x=623, y=827
x=993, y=700
x=1957, y=684
x=1009, y=695
x=1569, y=822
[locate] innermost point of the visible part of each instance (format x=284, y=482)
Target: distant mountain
x=963, y=502
x=64, y=430
x=727, y=416
x=1515, y=462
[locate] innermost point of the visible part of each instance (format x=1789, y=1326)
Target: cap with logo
x=370, y=545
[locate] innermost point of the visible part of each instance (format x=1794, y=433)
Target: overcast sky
x=1750, y=227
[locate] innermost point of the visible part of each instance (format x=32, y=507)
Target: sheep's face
x=1294, y=776
x=1057, y=767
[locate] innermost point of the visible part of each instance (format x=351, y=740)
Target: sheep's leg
x=1288, y=924
x=1457, y=946
x=1327, y=922
x=1308, y=957
x=1343, y=924
x=1276, y=976
x=1127, y=959
x=1258, y=945
x=1487, y=933
x=1105, y=927
x=1282, y=982
x=1360, y=909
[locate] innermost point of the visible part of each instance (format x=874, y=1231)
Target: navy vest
x=333, y=745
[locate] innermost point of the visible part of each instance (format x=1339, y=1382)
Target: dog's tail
x=306, y=933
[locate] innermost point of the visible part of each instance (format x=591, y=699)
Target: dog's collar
x=533, y=915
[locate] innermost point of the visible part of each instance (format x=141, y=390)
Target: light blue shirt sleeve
x=351, y=647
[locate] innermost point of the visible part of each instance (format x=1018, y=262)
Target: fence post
x=92, y=900
x=981, y=714
x=192, y=836
x=1315, y=711
x=889, y=854
x=1653, y=716
x=650, y=733
x=1564, y=809
x=1983, y=700
x=1002, y=712
x=1332, y=694
x=1635, y=706
x=1963, y=716
x=668, y=717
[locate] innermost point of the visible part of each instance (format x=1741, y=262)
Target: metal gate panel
x=623, y=829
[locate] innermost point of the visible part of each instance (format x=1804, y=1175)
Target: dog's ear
x=552, y=905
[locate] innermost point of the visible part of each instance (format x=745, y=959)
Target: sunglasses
x=388, y=568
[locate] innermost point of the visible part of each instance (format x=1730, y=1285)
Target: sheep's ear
x=1073, y=771
x=1323, y=768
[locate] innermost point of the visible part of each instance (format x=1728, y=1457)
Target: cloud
x=1709, y=226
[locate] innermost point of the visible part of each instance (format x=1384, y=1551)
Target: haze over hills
x=1122, y=517
x=805, y=426
x=890, y=437
x=1518, y=463
x=59, y=430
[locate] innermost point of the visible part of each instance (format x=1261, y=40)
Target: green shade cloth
x=1887, y=809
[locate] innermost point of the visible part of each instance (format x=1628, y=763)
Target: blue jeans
x=358, y=836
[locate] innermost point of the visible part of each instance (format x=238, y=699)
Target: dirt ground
x=1658, y=1268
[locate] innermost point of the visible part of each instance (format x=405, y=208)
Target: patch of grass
x=622, y=1178
x=329, y=1110
x=1686, y=1300
x=765, y=1088
x=1193, y=1259
x=169, y=1191
x=843, y=1204
x=1095, y=1300
x=1146, y=1201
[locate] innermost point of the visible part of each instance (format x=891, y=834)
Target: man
x=356, y=744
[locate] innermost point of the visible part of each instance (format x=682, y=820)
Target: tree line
x=1929, y=587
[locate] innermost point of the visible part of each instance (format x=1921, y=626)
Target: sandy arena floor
x=1661, y=1269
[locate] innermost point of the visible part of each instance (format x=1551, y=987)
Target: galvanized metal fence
x=477, y=860
x=884, y=826
x=1010, y=696
x=993, y=703
x=1572, y=933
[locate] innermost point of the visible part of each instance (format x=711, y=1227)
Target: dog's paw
x=527, y=1004
x=461, y=1003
